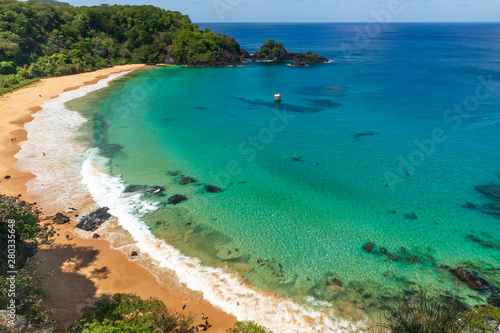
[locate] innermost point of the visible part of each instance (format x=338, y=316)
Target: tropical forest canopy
x=39, y=39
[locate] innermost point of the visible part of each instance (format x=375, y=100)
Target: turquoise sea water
x=367, y=148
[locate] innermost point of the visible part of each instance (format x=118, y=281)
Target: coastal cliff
x=48, y=38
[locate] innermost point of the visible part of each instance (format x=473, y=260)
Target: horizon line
x=354, y=22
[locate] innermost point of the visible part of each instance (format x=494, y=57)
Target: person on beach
x=228, y=252
x=265, y=258
x=202, y=316
x=206, y=323
x=281, y=274
x=307, y=277
x=184, y=307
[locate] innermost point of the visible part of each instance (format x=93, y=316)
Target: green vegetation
x=29, y=296
x=14, y=253
x=247, y=327
x=129, y=313
x=425, y=314
x=483, y=319
x=269, y=43
x=24, y=226
x=42, y=39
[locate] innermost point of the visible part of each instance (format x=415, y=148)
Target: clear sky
x=322, y=10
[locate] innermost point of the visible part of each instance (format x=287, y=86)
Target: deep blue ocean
x=395, y=142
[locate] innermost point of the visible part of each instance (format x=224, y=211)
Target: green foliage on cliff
x=130, y=313
x=39, y=39
x=247, y=327
x=19, y=282
x=28, y=296
x=483, y=319
x=17, y=224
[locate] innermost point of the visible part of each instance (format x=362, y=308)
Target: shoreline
x=85, y=270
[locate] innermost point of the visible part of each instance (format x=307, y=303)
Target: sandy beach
x=85, y=270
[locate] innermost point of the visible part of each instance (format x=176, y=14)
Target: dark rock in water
x=469, y=205
x=470, y=278
x=144, y=189
x=491, y=191
x=494, y=300
x=389, y=274
x=60, y=218
x=201, y=108
x=491, y=209
x=394, y=257
x=133, y=254
x=92, y=221
x=333, y=281
x=413, y=259
x=175, y=199
x=298, y=64
x=95, y=236
x=411, y=216
x=101, y=124
x=297, y=159
x=189, y=223
x=174, y=173
x=403, y=249
x=110, y=149
x=393, y=212
x=212, y=189
x=324, y=103
x=383, y=250
x=368, y=247
x=7, y=177
x=187, y=180
x=285, y=106
x=487, y=244
x=359, y=135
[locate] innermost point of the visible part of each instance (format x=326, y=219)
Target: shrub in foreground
x=130, y=313
x=425, y=314
x=247, y=327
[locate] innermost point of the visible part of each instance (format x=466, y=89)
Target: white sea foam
x=53, y=155
x=70, y=173
x=220, y=287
